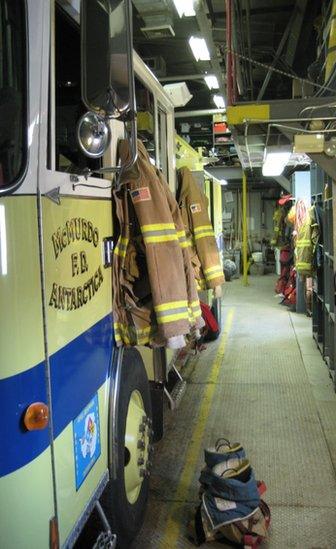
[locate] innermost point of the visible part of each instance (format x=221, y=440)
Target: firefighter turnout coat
x=306, y=241
x=154, y=289
x=200, y=235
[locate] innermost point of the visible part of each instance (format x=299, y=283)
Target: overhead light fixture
x=211, y=82
x=276, y=159
x=185, y=7
x=199, y=48
x=219, y=101
x=223, y=182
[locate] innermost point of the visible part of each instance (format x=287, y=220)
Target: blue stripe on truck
x=77, y=372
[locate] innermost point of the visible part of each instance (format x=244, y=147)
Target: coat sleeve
x=203, y=234
x=195, y=313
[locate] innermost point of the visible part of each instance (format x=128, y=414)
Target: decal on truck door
x=86, y=433
x=72, y=297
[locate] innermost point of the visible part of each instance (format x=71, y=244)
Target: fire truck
x=77, y=420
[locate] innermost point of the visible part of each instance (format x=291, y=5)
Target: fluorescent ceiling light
x=185, y=7
x=219, y=101
x=199, y=48
x=211, y=82
x=275, y=161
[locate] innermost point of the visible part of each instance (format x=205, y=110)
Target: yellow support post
x=331, y=54
x=245, y=264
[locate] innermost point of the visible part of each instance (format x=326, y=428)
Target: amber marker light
x=36, y=416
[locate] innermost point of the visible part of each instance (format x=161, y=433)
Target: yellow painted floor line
x=173, y=525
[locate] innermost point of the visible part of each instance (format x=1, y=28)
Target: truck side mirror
x=108, y=89
x=107, y=57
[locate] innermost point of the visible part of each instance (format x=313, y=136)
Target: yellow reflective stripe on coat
x=121, y=246
x=157, y=226
x=202, y=228
x=213, y=276
x=300, y=243
x=131, y=335
x=181, y=235
x=195, y=308
x=213, y=272
x=159, y=232
x=303, y=265
x=203, y=235
x=213, y=269
x=171, y=305
x=203, y=231
x=173, y=317
x=172, y=311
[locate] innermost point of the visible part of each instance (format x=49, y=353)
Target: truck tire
x=125, y=498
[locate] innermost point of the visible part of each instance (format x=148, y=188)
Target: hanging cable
x=279, y=71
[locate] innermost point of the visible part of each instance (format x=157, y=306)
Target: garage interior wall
x=260, y=215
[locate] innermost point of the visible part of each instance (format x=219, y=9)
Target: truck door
x=76, y=221
x=26, y=479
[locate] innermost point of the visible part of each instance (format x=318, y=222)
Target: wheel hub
x=138, y=436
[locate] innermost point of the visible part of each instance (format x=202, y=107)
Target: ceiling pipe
x=249, y=46
x=229, y=57
x=200, y=112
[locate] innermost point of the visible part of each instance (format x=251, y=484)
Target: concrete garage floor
x=264, y=384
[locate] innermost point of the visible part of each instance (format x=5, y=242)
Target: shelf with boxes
x=323, y=300
x=221, y=136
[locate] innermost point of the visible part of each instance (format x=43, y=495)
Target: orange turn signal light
x=36, y=416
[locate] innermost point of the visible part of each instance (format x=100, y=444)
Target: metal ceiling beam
x=249, y=47
x=290, y=37
x=276, y=58
x=327, y=163
x=284, y=182
x=293, y=39
x=181, y=77
x=206, y=30
x=264, y=10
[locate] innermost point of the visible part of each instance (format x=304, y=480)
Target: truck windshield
x=13, y=144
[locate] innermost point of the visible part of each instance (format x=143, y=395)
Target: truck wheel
x=125, y=498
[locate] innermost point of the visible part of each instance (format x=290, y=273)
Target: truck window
x=13, y=71
x=68, y=104
x=146, y=118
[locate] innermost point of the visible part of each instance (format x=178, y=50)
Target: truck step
x=174, y=392
x=106, y=540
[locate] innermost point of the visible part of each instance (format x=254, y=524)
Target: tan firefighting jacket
x=155, y=296
x=306, y=242
x=199, y=231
